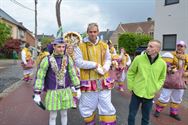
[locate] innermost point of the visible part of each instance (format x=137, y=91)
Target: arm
x=162, y=78
x=23, y=56
x=115, y=51
x=131, y=74
x=40, y=75
x=129, y=61
x=72, y=73
x=107, y=63
x=81, y=63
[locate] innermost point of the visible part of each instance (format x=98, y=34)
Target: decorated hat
x=168, y=57
x=58, y=41
x=181, y=43
x=109, y=42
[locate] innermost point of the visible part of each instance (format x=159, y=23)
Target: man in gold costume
x=94, y=60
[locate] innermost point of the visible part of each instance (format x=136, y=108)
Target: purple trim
x=107, y=123
x=173, y=109
x=85, y=83
x=91, y=123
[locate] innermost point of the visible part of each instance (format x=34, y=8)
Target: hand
x=78, y=93
x=100, y=70
x=37, y=98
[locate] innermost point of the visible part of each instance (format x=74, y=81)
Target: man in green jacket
x=145, y=77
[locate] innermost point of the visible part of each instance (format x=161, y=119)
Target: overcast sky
x=76, y=14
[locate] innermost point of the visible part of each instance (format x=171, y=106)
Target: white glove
x=73, y=89
x=37, y=98
x=78, y=93
x=100, y=70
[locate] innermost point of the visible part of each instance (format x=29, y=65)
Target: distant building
x=171, y=22
x=40, y=36
x=105, y=35
x=17, y=29
x=146, y=27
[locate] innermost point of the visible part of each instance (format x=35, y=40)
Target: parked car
x=140, y=49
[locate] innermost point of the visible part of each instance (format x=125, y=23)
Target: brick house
x=146, y=27
x=17, y=29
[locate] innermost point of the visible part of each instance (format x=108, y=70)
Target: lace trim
x=59, y=73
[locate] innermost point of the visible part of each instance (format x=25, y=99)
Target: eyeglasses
x=92, y=31
x=180, y=46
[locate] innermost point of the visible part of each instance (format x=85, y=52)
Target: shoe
x=156, y=114
x=177, y=117
x=121, y=89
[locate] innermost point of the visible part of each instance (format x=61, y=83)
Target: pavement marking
x=10, y=88
x=2, y=67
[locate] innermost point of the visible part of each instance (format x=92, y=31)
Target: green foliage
x=83, y=35
x=46, y=40
x=130, y=41
x=5, y=33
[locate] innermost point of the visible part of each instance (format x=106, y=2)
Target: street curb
x=10, y=88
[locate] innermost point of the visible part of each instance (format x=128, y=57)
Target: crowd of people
x=76, y=73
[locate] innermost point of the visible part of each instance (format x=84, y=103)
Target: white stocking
x=52, y=119
x=63, y=117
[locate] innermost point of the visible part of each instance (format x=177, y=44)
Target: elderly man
x=174, y=86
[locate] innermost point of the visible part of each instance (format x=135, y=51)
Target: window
x=169, y=42
x=169, y=2
x=151, y=33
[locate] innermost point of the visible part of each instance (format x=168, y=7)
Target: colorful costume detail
x=118, y=70
x=58, y=96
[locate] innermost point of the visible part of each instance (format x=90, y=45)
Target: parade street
x=18, y=108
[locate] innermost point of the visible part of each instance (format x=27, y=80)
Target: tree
x=9, y=47
x=130, y=41
x=5, y=33
x=45, y=41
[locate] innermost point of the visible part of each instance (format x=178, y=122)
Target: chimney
x=21, y=23
x=149, y=19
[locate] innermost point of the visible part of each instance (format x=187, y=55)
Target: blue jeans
x=134, y=106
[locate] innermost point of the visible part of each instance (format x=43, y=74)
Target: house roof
x=133, y=27
x=106, y=34
x=7, y=17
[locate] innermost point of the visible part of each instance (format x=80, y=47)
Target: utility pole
x=35, y=18
x=36, y=41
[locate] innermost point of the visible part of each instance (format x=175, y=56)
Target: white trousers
x=53, y=115
x=175, y=95
x=89, y=101
x=28, y=71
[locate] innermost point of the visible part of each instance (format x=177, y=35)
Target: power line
x=21, y=5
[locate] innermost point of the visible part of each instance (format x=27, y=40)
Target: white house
x=171, y=22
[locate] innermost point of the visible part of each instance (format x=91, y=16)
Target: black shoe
x=156, y=114
x=177, y=117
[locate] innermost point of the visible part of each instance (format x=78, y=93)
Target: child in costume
x=57, y=74
x=27, y=63
x=120, y=64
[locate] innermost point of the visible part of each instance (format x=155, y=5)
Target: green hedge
x=130, y=41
